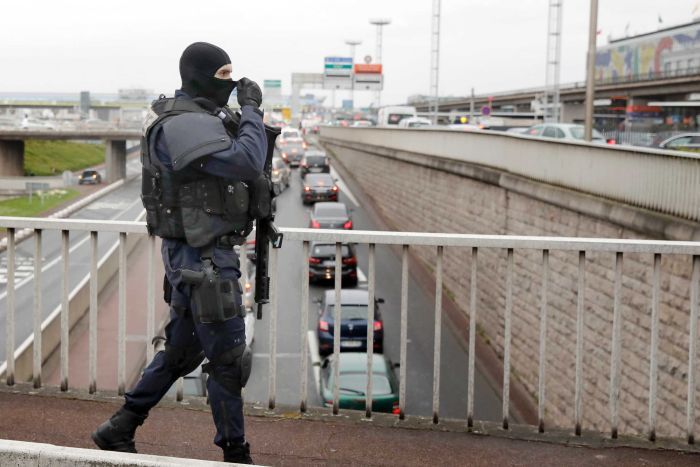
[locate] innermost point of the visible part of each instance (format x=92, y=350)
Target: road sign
x=368, y=59
x=368, y=81
x=337, y=83
x=337, y=66
x=272, y=83
x=367, y=68
x=486, y=111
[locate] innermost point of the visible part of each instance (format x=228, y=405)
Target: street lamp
x=590, y=70
x=380, y=23
x=353, y=43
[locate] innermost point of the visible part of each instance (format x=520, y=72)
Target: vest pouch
x=202, y=211
x=261, y=198
x=236, y=201
x=149, y=197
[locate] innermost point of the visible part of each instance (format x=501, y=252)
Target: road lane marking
x=56, y=260
x=344, y=188
x=315, y=359
x=361, y=276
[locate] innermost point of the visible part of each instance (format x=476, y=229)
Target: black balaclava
x=198, y=64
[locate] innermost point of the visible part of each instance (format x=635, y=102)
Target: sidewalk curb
x=22, y=453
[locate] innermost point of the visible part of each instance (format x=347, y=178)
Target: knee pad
x=232, y=368
x=182, y=360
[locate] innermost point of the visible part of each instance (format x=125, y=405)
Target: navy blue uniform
x=244, y=160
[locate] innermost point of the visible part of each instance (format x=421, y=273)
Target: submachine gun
x=266, y=232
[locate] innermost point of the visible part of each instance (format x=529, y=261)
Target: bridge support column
x=12, y=158
x=115, y=160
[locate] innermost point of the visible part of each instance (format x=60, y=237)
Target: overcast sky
x=492, y=45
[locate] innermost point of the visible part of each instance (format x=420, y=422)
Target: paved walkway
x=290, y=440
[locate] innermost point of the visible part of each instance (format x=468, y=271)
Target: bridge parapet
x=659, y=180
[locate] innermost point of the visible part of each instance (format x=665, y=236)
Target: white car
x=414, y=122
x=565, y=131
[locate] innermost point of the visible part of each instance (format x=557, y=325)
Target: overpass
x=673, y=86
x=12, y=148
x=583, y=280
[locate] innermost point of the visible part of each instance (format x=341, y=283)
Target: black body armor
x=186, y=203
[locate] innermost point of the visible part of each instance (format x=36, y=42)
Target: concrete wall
x=414, y=192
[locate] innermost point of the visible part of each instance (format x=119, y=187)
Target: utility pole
x=435, y=61
x=471, y=109
x=353, y=43
x=590, y=70
x=380, y=23
x=552, y=107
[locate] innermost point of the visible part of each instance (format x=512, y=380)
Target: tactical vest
x=186, y=203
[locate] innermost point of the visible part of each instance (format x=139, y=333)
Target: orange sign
x=374, y=68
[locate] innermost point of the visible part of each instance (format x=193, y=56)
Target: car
x=414, y=122
x=314, y=161
x=353, y=322
x=565, y=131
x=280, y=175
x=352, y=382
x=361, y=124
x=322, y=262
x=292, y=151
x=330, y=215
x=289, y=133
x=682, y=142
x=90, y=177
x=319, y=187
x=518, y=130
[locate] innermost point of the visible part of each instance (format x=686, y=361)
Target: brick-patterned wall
x=416, y=198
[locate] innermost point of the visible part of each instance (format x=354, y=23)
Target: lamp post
x=590, y=70
x=353, y=43
x=380, y=23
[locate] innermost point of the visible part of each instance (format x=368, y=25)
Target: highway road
x=453, y=368
x=122, y=204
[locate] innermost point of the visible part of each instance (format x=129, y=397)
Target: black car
x=328, y=215
x=314, y=162
x=90, y=177
x=292, y=151
x=319, y=187
x=322, y=262
x=353, y=322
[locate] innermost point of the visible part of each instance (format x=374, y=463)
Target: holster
x=214, y=298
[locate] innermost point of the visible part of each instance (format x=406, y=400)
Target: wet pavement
x=290, y=439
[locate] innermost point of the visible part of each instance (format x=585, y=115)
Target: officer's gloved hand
x=249, y=93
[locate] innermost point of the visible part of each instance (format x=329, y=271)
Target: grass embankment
x=55, y=157
x=22, y=207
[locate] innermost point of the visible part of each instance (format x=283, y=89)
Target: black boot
x=117, y=433
x=239, y=454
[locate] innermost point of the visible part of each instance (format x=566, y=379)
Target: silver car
x=565, y=131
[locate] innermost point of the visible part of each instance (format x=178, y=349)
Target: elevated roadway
x=12, y=148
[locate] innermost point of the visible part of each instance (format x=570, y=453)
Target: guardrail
x=404, y=240
x=659, y=180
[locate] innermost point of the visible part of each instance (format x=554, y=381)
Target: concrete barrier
x=25, y=454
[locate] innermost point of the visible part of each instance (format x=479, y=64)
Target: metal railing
x=405, y=241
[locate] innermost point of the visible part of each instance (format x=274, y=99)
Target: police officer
x=200, y=163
